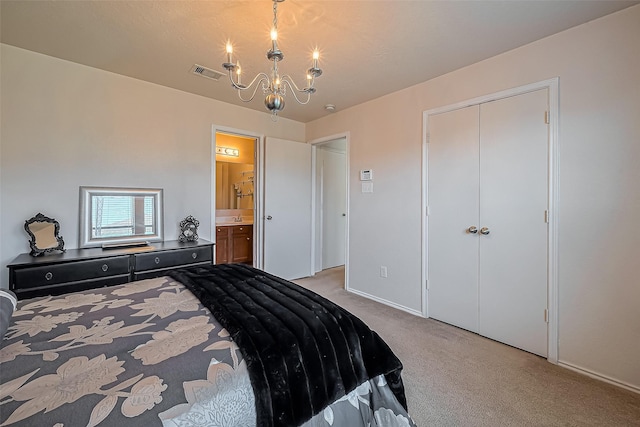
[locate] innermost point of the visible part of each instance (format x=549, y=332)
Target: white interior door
x=453, y=208
x=333, y=206
x=287, y=208
x=513, y=200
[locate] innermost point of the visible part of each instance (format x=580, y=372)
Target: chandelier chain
x=275, y=15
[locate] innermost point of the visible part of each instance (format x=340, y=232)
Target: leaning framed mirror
x=43, y=235
x=115, y=216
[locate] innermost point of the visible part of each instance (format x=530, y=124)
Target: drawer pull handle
x=248, y=238
x=157, y=260
x=194, y=255
x=105, y=267
x=49, y=275
x=241, y=228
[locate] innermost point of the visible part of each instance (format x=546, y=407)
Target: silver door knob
x=473, y=229
x=269, y=217
x=484, y=230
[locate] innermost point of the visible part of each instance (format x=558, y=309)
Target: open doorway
x=330, y=211
x=234, y=196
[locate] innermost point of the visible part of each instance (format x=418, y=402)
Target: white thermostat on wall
x=366, y=175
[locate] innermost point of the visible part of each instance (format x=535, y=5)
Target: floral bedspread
x=144, y=353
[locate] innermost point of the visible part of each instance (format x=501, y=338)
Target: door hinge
x=546, y=216
x=546, y=117
x=546, y=316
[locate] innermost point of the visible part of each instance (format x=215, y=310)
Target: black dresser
x=79, y=269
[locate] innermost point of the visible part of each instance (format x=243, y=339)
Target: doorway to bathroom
x=235, y=197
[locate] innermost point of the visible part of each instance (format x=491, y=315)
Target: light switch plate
x=367, y=187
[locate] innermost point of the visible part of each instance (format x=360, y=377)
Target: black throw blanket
x=302, y=351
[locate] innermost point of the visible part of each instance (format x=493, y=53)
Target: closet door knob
x=473, y=229
x=484, y=230
x=269, y=217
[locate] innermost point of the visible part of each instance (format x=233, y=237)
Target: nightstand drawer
x=66, y=287
x=178, y=257
x=47, y=275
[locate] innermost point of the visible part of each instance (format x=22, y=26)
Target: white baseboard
x=600, y=377
x=385, y=302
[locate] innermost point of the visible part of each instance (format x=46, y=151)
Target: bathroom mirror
x=234, y=185
x=44, y=235
x=112, y=217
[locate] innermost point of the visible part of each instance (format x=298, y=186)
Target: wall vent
x=206, y=72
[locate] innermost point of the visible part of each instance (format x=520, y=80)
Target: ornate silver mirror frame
x=44, y=235
x=189, y=229
x=114, y=216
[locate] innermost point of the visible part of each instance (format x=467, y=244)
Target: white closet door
x=513, y=199
x=453, y=208
x=287, y=208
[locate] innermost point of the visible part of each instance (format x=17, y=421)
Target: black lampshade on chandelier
x=274, y=86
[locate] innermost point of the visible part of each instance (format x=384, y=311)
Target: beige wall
x=65, y=125
x=599, y=152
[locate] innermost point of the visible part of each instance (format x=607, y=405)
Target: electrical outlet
x=383, y=271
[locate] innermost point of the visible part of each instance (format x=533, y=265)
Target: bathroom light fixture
x=273, y=86
x=225, y=151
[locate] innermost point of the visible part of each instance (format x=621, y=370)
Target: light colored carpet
x=454, y=377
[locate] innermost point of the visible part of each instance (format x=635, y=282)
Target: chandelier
x=274, y=86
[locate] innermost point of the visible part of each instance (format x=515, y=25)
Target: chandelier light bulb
x=229, y=52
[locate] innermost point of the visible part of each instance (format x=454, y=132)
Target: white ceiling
x=368, y=48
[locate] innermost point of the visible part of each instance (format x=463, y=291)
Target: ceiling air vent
x=206, y=72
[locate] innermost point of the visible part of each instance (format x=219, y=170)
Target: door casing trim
x=314, y=145
x=258, y=231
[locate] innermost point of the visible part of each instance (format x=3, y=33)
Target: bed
x=221, y=345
